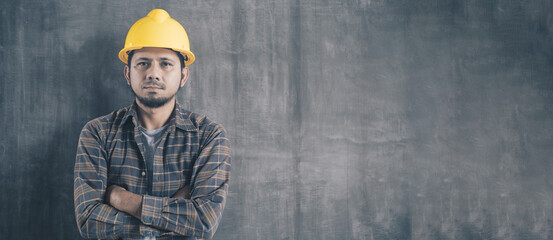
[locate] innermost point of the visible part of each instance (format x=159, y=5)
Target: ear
x=127, y=73
x=184, y=76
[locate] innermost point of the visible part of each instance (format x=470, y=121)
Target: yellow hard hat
x=157, y=29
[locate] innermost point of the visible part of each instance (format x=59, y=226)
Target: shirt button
x=143, y=173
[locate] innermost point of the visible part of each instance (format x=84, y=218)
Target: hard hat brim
x=124, y=54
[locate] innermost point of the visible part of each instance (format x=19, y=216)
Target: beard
x=154, y=102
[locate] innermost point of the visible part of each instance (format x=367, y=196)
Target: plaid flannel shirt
x=193, y=151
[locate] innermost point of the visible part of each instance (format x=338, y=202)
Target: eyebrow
x=144, y=59
x=149, y=59
x=166, y=59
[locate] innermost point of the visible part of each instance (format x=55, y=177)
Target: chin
x=154, y=102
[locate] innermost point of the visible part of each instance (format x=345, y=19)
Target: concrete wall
x=358, y=119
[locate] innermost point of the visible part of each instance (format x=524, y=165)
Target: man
x=152, y=170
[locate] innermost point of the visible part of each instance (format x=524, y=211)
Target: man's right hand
x=113, y=196
x=183, y=193
x=123, y=200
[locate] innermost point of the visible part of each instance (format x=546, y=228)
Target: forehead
x=155, y=53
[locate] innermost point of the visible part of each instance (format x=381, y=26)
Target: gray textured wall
x=365, y=119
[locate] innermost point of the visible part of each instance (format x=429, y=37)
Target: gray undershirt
x=151, y=140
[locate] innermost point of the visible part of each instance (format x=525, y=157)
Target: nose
x=154, y=72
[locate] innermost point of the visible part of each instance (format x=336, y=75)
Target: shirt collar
x=178, y=117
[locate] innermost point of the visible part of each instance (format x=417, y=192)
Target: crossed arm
x=104, y=211
x=131, y=203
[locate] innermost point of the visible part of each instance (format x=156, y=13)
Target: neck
x=154, y=118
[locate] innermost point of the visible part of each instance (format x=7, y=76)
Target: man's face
x=155, y=76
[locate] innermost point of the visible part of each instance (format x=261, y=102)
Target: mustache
x=154, y=84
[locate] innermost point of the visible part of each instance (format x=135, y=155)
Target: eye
x=141, y=64
x=166, y=64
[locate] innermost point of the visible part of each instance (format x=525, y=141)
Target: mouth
x=152, y=87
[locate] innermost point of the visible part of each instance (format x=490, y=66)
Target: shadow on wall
x=99, y=74
x=92, y=85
